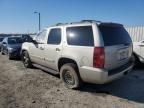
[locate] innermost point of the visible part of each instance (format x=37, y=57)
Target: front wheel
x=26, y=60
x=69, y=75
x=2, y=51
x=10, y=57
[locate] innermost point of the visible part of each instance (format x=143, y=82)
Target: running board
x=46, y=69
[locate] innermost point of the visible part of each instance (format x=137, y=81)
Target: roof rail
x=58, y=24
x=90, y=21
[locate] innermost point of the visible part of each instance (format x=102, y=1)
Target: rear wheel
x=69, y=75
x=26, y=60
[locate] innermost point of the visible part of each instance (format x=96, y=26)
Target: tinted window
x=1, y=39
x=82, y=36
x=114, y=35
x=54, y=36
x=14, y=40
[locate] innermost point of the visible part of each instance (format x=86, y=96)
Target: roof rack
x=58, y=24
x=90, y=21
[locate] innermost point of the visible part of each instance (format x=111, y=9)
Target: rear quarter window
x=80, y=36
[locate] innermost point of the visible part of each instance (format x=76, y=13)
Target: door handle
x=57, y=49
x=41, y=48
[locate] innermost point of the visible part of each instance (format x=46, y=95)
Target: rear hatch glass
x=114, y=35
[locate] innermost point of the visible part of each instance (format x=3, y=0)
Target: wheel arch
x=65, y=60
x=22, y=51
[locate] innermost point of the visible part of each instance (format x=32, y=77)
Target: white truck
x=137, y=35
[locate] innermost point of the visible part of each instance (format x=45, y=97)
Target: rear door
x=117, y=44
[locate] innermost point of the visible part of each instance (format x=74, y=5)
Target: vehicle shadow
x=129, y=87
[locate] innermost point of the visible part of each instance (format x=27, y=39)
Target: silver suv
x=87, y=51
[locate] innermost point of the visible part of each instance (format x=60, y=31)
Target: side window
x=54, y=36
x=1, y=39
x=41, y=36
x=81, y=36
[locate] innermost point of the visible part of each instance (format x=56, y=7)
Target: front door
x=36, y=51
x=53, y=48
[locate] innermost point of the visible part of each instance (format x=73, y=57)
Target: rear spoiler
x=111, y=24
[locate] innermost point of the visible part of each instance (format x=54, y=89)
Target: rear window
x=114, y=35
x=14, y=40
x=80, y=36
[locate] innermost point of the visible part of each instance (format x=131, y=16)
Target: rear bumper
x=102, y=76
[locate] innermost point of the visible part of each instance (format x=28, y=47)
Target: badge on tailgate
x=123, y=54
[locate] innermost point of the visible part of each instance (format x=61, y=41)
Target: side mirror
x=34, y=41
x=27, y=39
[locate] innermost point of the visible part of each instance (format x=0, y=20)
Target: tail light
x=98, y=57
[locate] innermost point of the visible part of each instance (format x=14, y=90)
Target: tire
x=10, y=57
x=136, y=60
x=2, y=53
x=26, y=60
x=70, y=76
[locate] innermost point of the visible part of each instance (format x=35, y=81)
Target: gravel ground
x=33, y=88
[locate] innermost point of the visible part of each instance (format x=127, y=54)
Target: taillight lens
x=98, y=57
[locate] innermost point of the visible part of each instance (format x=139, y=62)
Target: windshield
x=14, y=40
x=114, y=35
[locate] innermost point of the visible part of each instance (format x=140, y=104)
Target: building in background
x=136, y=33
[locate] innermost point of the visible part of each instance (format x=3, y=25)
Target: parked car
x=137, y=37
x=138, y=51
x=87, y=51
x=1, y=39
x=11, y=46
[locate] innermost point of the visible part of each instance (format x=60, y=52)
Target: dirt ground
x=33, y=88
